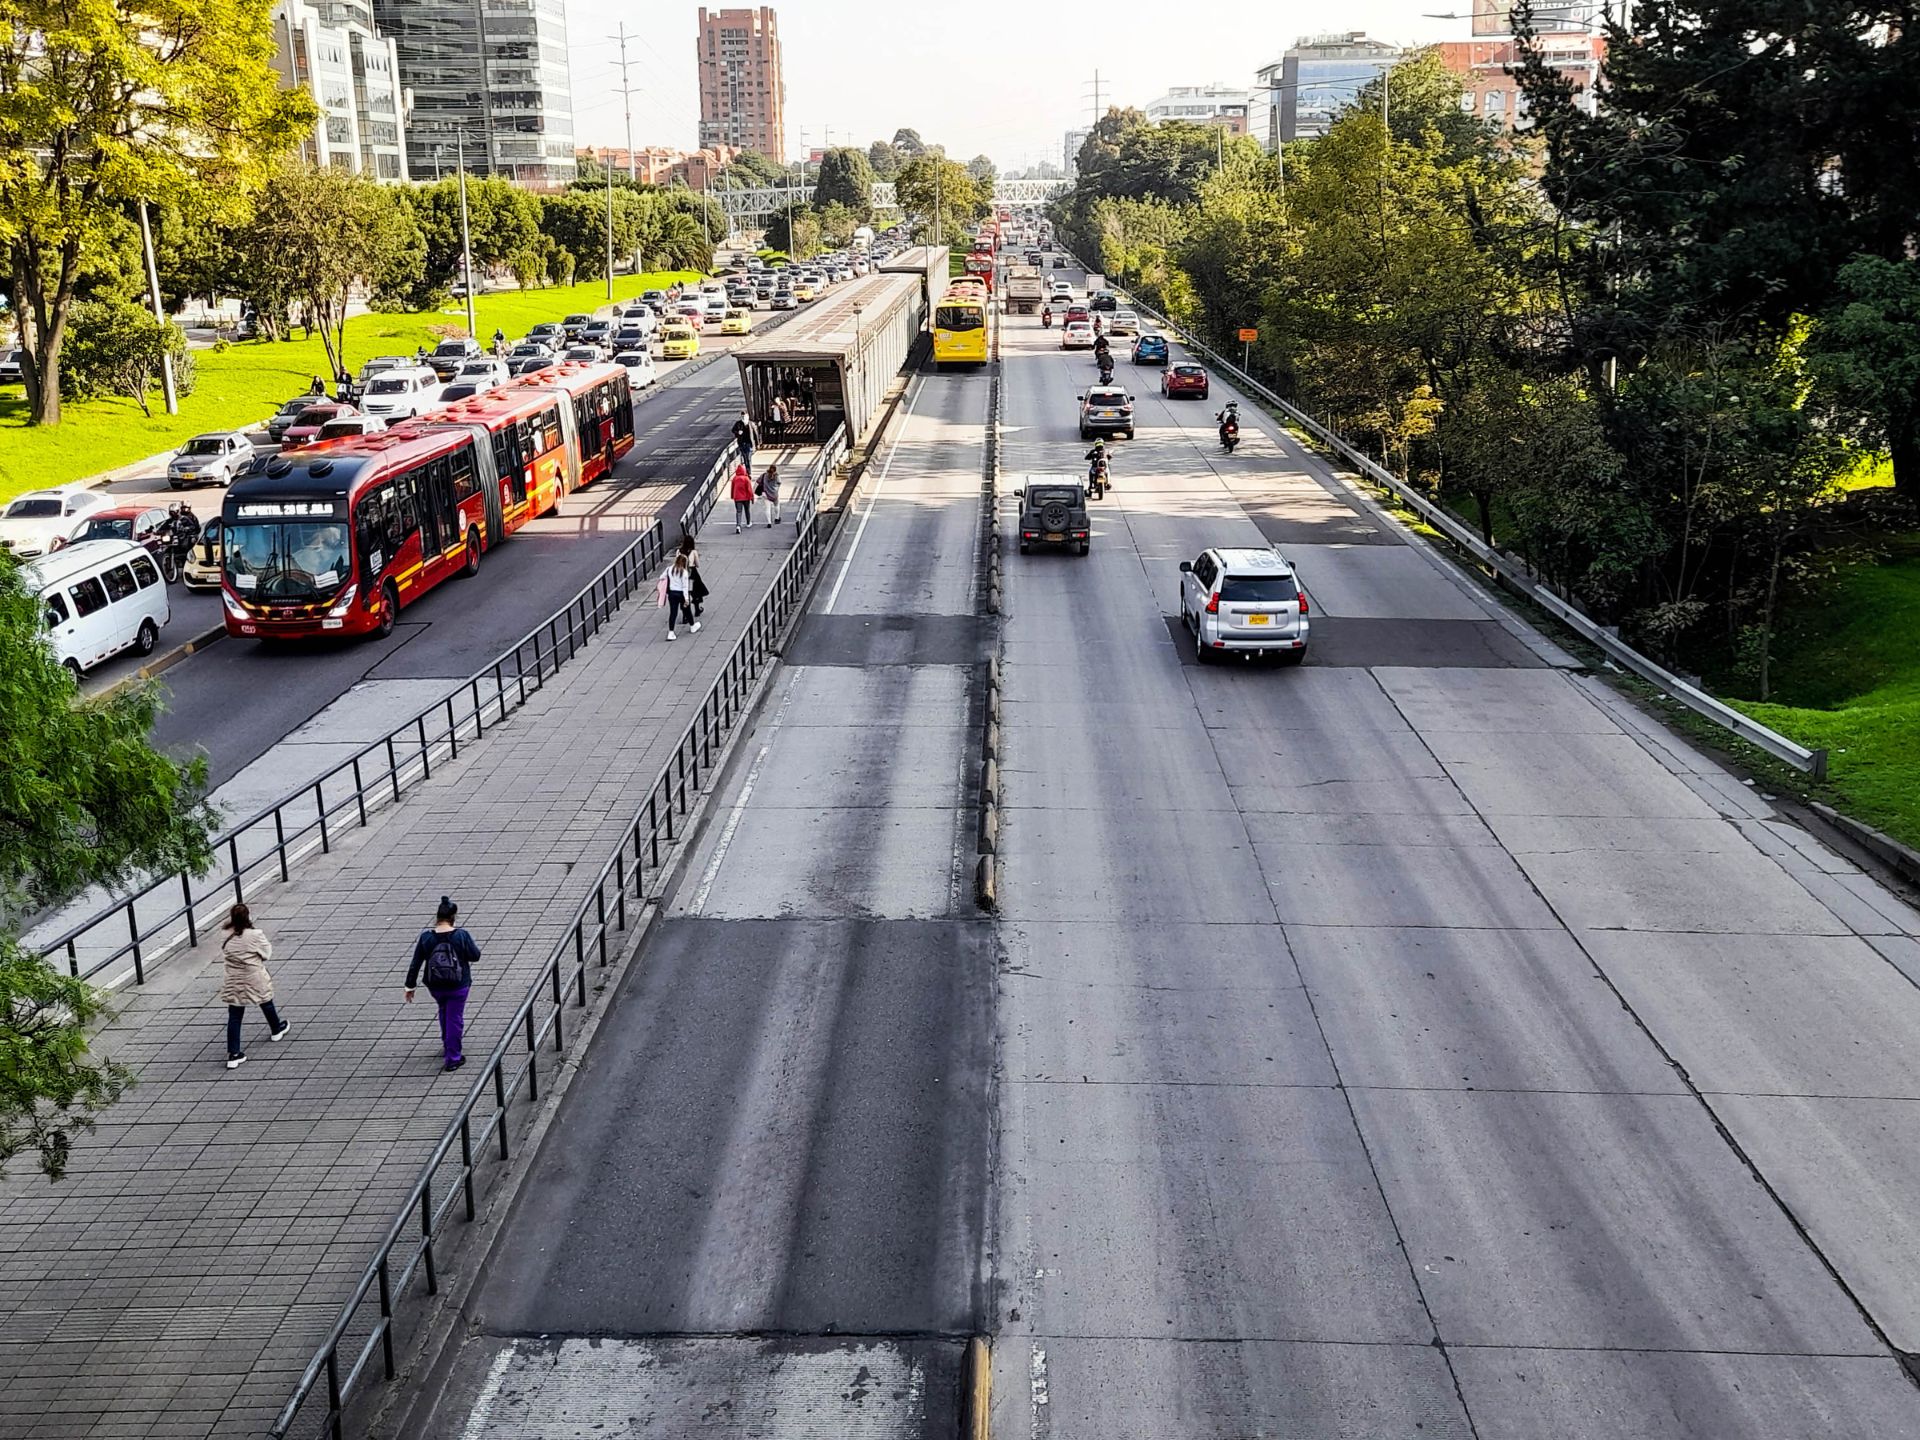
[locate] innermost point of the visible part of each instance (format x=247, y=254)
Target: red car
x=142, y=524
x=1184, y=379
x=306, y=426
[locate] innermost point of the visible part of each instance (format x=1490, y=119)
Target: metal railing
x=475, y=1144
x=1514, y=572
x=172, y=909
x=806, y=491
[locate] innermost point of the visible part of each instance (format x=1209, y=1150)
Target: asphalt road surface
x=1419, y=1042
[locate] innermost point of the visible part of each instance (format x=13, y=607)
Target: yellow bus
x=959, y=330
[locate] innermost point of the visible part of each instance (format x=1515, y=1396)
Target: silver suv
x=1247, y=600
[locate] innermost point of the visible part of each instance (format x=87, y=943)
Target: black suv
x=1053, y=512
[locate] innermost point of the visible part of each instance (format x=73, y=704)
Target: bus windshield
x=958, y=317
x=298, y=561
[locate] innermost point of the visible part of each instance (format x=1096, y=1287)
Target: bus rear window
x=958, y=317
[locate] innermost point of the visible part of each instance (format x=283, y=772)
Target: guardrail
x=1514, y=573
x=366, y=1322
x=268, y=843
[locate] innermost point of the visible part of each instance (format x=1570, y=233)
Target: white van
x=99, y=597
x=402, y=392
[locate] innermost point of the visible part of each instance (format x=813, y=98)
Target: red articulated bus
x=335, y=538
x=602, y=405
x=536, y=455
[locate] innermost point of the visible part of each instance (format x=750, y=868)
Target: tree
x=321, y=236
x=1866, y=351
x=942, y=194
x=752, y=170
x=846, y=179
x=504, y=221
x=837, y=224
x=908, y=144
x=884, y=159
x=84, y=800
x=115, y=347
x=982, y=169
x=796, y=231
x=104, y=103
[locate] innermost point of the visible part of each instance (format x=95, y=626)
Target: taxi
x=678, y=342
x=738, y=321
x=803, y=290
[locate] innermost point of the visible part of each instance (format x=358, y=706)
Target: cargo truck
x=1023, y=289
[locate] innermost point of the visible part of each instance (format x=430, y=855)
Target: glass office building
x=493, y=70
x=333, y=50
x=1317, y=78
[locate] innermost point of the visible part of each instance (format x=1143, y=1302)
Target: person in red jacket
x=742, y=498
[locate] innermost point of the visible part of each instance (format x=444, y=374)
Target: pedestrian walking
x=742, y=493
x=697, y=593
x=746, y=436
x=777, y=407
x=446, y=954
x=770, y=492
x=678, y=586
x=246, y=951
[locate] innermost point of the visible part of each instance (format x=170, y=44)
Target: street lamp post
x=168, y=389
x=466, y=234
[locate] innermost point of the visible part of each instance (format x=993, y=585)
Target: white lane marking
x=1038, y=1383
x=885, y=470
x=489, y=1392
x=712, y=871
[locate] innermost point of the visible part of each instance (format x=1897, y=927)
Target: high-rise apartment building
x=489, y=77
x=1220, y=105
x=743, y=91
x=1309, y=85
x=333, y=50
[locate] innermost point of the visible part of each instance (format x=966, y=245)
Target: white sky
x=1007, y=77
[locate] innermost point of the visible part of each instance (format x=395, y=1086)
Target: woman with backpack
x=446, y=954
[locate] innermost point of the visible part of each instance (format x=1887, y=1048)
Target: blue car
x=1150, y=350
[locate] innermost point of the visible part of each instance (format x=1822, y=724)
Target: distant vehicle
x=201, y=569
x=1246, y=600
x=449, y=355
x=960, y=330
x=597, y=332
x=13, y=366
x=549, y=334
x=527, y=364
x=586, y=354
x=690, y=313
x=679, y=341
x=98, y=599
x=144, y=525
x=638, y=365
x=530, y=348
x=484, y=368
x=1022, y=288
x=218, y=457
x=1053, y=512
x=1124, y=322
x=784, y=300
x=342, y=426
x=306, y=426
x=1106, y=410
x=1185, y=379
x=716, y=305
x=574, y=326
x=655, y=300
x=1101, y=301
x=739, y=321
x=378, y=364
x=465, y=390
x=398, y=394
x=289, y=412
x=1076, y=335
x=1150, y=350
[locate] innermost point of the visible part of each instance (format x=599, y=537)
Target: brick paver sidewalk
x=178, y=1281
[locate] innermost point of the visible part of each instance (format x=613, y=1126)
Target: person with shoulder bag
x=246, y=951
x=445, y=956
x=681, y=582
x=769, y=488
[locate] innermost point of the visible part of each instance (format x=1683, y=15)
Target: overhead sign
x=1248, y=335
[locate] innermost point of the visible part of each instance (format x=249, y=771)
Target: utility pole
x=167, y=387
x=466, y=235
x=626, y=95
x=609, y=170
x=1096, y=97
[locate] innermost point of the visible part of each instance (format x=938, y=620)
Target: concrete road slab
x=1205, y=1212
x=590, y=1388
x=780, y=1127
x=1848, y=1171
x=1577, y=834
x=1565, y=774
x=1452, y=831
x=1731, y=891
x=1313, y=519
x=858, y=862
x=883, y=579
x=1638, y=1395
x=1772, y=1014
x=1136, y=691
x=1384, y=582
x=1416, y=795
x=1102, y=1389
x=1282, y=745
x=1352, y=641
x=811, y=767
x=1118, y=769
x=890, y=695
x=1525, y=702
x=1616, y=1221
x=1406, y=885
x=904, y=639
x=1473, y=1010
x=1181, y=866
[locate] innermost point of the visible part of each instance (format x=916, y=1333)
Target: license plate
x=1258, y=619
x=1056, y=535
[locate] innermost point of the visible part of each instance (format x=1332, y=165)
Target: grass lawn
x=245, y=383
x=1849, y=679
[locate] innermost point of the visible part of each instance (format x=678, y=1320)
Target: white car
x=714, y=305
x=477, y=370
x=351, y=425
x=584, y=354
x=1123, y=322
x=638, y=365
x=41, y=521
x=400, y=394
x=1077, y=335
x=11, y=363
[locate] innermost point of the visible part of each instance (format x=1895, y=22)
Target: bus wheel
x=472, y=567
x=389, y=610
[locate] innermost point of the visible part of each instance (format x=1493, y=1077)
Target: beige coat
x=247, y=981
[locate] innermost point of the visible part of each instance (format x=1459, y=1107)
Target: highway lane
x=1367, y=1030
x=237, y=698
x=764, y=1199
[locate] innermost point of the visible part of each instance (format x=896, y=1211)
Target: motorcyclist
x=1099, y=472
x=1229, y=420
x=181, y=529
x=1046, y=317
x=1101, y=349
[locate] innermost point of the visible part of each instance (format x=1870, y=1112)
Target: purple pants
x=453, y=1020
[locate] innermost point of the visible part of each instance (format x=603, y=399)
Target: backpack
x=443, y=964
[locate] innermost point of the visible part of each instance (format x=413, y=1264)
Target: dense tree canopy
x=846, y=178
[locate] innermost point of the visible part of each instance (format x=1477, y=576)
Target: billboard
x=1495, y=17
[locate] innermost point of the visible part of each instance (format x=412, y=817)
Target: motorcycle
x=1106, y=372
x=1046, y=319
x=1099, y=479
x=1229, y=435
x=183, y=530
